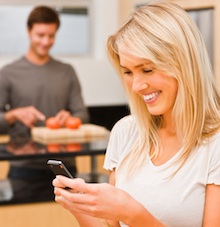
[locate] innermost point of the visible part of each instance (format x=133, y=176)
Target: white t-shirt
x=177, y=201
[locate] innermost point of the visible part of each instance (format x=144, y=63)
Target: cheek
x=168, y=83
x=52, y=41
x=173, y=90
x=174, y=87
x=128, y=81
x=36, y=39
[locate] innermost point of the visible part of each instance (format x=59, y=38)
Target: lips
x=151, y=96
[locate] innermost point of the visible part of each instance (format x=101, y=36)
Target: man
x=36, y=86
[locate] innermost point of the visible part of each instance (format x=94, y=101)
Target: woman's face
x=156, y=89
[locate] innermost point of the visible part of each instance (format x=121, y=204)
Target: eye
x=126, y=72
x=147, y=71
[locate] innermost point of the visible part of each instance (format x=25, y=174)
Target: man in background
x=36, y=87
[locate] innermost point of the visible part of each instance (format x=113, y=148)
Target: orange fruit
x=73, y=122
x=52, y=123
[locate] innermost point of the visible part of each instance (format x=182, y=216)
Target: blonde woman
x=164, y=159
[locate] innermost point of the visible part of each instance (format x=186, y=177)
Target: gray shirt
x=49, y=88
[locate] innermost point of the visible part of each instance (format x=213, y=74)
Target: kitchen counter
x=39, y=189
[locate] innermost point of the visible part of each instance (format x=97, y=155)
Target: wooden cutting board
x=85, y=133
x=4, y=139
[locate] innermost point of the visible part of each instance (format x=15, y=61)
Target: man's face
x=42, y=37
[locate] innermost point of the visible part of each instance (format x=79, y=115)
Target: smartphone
x=59, y=168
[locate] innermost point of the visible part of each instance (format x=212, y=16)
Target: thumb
x=76, y=184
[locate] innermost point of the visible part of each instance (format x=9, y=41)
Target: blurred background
x=81, y=42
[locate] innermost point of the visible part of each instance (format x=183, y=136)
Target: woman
x=164, y=158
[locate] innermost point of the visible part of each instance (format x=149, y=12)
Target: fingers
x=86, y=198
x=30, y=119
x=68, y=200
x=62, y=116
x=72, y=199
x=76, y=184
x=73, y=195
x=57, y=183
x=38, y=115
x=28, y=115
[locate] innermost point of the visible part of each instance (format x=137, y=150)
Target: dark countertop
x=23, y=148
x=39, y=189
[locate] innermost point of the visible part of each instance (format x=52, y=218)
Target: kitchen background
x=85, y=26
x=88, y=23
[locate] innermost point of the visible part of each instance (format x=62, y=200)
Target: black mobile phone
x=59, y=168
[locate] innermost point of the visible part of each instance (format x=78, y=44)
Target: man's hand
x=27, y=115
x=62, y=116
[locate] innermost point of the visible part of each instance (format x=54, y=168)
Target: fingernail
x=58, y=177
x=42, y=118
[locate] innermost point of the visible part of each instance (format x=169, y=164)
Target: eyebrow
x=137, y=66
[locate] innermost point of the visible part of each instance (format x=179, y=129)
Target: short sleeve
x=122, y=137
x=4, y=97
x=214, y=163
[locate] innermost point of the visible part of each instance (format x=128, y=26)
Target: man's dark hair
x=43, y=14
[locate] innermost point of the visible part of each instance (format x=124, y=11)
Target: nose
x=139, y=83
x=47, y=41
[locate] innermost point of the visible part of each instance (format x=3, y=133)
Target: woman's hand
x=104, y=201
x=96, y=200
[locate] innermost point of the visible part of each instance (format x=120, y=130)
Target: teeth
x=150, y=96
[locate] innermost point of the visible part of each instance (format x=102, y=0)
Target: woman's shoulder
x=211, y=146
x=123, y=130
x=127, y=120
x=125, y=124
x=122, y=138
x=215, y=139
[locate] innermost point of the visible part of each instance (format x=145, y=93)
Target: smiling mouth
x=151, y=96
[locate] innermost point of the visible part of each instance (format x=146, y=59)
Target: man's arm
x=4, y=100
x=76, y=102
x=27, y=115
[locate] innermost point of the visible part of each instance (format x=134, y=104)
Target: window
x=73, y=36
x=204, y=19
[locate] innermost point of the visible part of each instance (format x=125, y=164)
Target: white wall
x=99, y=81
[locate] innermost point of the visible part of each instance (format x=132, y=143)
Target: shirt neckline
x=167, y=163
x=35, y=65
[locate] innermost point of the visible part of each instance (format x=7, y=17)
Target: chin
x=156, y=112
x=42, y=55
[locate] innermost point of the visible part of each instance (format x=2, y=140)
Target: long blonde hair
x=163, y=33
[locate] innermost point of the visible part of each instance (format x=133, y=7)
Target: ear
x=28, y=30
